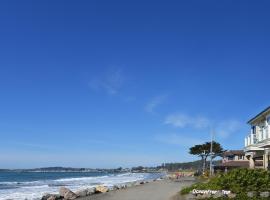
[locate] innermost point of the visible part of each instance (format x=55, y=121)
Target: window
x=268, y=119
x=230, y=157
x=253, y=129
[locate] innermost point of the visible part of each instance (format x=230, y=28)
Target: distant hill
x=64, y=169
x=195, y=165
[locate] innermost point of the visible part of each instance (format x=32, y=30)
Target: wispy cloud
x=110, y=82
x=223, y=128
x=182, y=120
x=178, y=139
x=155, y=102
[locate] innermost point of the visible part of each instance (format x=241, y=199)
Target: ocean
x=33, y=185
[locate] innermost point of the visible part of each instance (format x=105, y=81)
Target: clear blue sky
x=124, y=83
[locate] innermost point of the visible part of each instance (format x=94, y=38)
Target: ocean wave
x=33, y=190
x=79, y=179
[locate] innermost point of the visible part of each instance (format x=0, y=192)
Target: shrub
x=239, y=181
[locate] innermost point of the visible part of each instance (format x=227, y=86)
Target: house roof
x=234, y=152
x=234, y=164
x=258, y=115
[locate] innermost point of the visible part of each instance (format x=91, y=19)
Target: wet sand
x=159, y=190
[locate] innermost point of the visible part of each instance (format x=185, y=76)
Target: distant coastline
x=84, y=170
x=140, y=169
x=65, y=169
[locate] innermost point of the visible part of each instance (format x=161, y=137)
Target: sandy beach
x=159, y=190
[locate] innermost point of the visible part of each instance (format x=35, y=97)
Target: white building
x=257, y=143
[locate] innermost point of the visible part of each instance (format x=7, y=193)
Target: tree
x=204, y=150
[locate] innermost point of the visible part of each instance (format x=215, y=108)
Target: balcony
x=254, y=142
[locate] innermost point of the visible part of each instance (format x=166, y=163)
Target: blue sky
x=124, y=83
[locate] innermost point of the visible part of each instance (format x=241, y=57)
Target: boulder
x=67, y=193
x=81, y=193
x=45, y=196
x=102, y=189
x=91, y=191
x=51, y=197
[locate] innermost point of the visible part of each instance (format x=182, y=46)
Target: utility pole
x=203, y=161
x=211, y=154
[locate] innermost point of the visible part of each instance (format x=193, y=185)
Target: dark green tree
x=204, y=150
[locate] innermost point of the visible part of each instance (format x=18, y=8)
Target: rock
x=58, y=197
x=86, y=192
x=45, y=196
x=67, y=193
x=51, y=197
x=91, y=191
x=81, y=193
x=102, y=189
x=264, y=194
x=142, y=182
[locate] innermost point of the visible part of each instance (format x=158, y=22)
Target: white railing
x=250, y=140
x=263, y=134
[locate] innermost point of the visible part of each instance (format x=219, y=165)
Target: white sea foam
x=36, y=189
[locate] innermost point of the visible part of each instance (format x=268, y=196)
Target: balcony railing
x=262, y=135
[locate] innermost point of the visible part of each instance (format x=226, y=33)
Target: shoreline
x=35, y=186
x=66, y=192
x=164, y=189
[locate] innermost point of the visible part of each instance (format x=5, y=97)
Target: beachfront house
x=232, y=159
x=257, y=143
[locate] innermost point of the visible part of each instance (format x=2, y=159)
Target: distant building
x=232, y=159
x=257, y=143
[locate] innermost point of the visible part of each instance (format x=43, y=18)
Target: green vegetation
x=238, y=181
x=194, y=166
x=204, y=151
